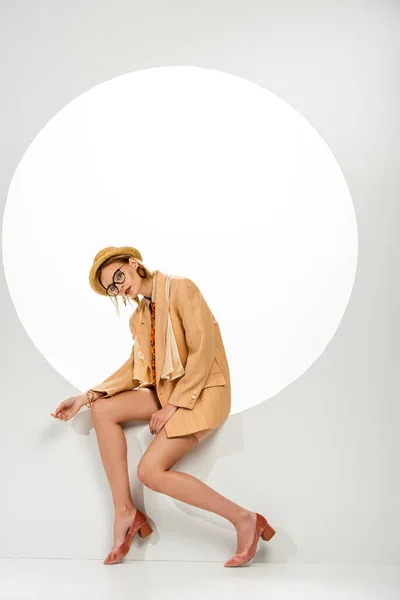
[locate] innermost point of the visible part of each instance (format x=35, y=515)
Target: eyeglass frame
x=116, y=283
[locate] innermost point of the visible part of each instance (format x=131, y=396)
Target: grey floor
x=32, y=579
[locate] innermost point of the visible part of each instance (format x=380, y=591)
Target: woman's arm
x=198, y=322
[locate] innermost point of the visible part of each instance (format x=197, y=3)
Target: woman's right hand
x=69, y=407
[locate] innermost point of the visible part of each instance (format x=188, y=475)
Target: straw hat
x=101, y=257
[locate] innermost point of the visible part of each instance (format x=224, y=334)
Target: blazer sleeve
x=119, y=381
x=122, y=379
x=198, y=322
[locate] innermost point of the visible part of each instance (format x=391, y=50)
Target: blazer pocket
x=215, y=379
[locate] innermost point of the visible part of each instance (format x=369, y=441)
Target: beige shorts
x=203, y=433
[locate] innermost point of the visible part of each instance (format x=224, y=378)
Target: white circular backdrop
x=210, y=176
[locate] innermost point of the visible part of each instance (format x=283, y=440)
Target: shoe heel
x=268, y=533
x=145, y=530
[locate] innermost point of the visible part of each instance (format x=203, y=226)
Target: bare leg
x=107, y=414
x=154, y=470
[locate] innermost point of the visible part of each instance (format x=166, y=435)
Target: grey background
x=321, y=459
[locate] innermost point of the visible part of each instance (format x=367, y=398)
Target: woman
x=177, y=378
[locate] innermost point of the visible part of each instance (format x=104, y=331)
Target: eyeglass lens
x=119, y=278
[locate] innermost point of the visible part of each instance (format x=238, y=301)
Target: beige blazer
x=202, y=392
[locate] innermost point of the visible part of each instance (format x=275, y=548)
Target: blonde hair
x=142, y=271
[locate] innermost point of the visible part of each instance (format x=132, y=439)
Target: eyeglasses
x=118, y=277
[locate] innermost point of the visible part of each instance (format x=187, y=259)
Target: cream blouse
x=172, y=367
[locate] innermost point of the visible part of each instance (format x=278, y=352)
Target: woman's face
x=132, y=282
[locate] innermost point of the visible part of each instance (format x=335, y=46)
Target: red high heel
x=263, y=529
x=139, y=524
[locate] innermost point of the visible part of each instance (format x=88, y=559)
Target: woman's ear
x=133, y=262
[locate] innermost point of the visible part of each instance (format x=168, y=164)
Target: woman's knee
x=101, y=407
x=129, y=405
x=149, y=476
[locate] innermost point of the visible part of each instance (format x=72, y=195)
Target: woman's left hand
x=160, y=417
